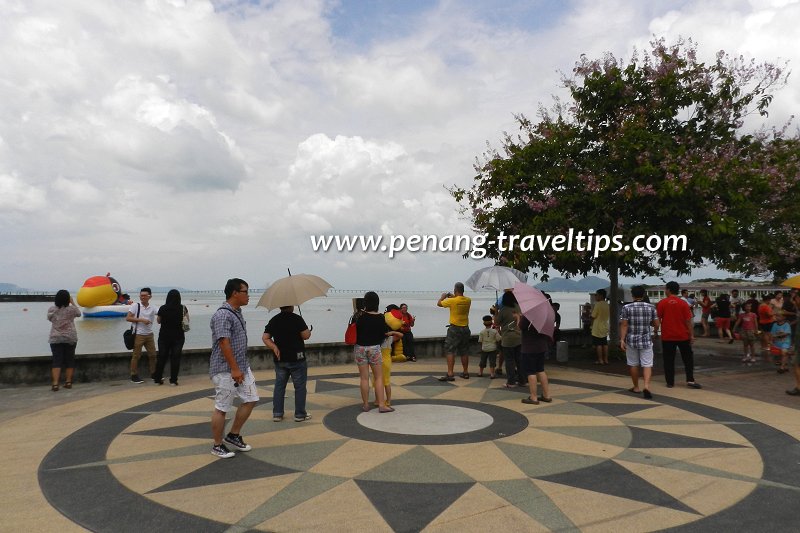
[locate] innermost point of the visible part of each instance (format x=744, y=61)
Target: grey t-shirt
x=509, y=332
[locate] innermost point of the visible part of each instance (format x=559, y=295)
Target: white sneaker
x=220, y=450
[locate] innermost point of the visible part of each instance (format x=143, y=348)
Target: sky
x=181, y=143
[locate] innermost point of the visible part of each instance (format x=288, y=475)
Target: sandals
x=464, y=375
x=633, y=390
x=365, y=408
x=68, y=385
x=387, y=410
x=54, y=388
x=530, y=401
x=509, y=385
x=545, y=400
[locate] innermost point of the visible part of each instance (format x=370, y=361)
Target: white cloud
x=78, y=191
x=230, y=130
x=18, y=196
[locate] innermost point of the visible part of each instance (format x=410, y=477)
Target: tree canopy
x=652, y=146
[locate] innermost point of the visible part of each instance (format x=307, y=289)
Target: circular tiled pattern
x=427, y=419
x=596, y=457
x=428, y=422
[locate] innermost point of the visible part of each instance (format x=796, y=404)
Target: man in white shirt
x=143, y=315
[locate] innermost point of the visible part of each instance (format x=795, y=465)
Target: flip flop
x=529, y=401
x=545, y=400
x=365, y=408
x=633, y=390
x=387, y=410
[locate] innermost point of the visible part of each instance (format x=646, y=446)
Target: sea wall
x=115, y=366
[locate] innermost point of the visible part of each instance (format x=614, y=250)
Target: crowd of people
x=507, y=337
x=769, y=322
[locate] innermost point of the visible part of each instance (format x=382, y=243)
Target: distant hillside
x=10, y=287
x=588, y=284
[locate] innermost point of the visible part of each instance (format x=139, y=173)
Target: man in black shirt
x=285, y=335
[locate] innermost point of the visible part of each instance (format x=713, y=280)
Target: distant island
x=588, y=284
x=10, y=287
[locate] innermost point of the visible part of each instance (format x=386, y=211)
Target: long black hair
x=173, y=298
x=371, y=301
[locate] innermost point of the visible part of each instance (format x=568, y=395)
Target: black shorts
x=599, y=341
x=532, y=363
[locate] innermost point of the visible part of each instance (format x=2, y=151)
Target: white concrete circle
x=426, y=419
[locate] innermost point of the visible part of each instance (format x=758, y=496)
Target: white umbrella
x=495, y=277
x=293, y=290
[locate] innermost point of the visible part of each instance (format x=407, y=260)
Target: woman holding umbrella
x=534, y=349
x=536, y=320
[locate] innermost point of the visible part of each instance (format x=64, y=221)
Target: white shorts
x=226, y=391
x=640, y=357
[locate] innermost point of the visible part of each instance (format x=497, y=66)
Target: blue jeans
x=299, y=373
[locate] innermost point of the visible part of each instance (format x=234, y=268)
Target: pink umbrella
x=536, y=308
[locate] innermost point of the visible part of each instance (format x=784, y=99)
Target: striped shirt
x=228, y=323
x=640, y=316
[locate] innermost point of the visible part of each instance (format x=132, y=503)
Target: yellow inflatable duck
x=98, y=294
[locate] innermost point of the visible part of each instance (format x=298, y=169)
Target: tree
x=651, y=147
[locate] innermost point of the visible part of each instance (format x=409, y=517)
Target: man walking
x=143, y=315
x=677, y=332
x=635, y=339
x=457, y=340
x=285, y=334
x=229, y=369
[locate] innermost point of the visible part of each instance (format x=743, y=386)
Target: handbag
x=129, y=335
x=185, y=320
x=350, y=333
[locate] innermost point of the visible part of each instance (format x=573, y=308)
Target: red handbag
x=350, y=334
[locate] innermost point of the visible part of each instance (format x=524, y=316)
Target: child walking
x=748, y=321
x=488, y=337
x=782, y=340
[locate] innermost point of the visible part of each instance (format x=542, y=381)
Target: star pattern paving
x=597, y=458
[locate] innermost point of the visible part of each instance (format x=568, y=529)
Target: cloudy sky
x=180, y=142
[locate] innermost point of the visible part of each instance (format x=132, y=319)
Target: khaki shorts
x=226, y=391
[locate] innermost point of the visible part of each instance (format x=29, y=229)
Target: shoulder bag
x=185, y=320
x=350, y=334
x=129, y=335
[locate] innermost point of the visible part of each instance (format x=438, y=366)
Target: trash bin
x=562, y=351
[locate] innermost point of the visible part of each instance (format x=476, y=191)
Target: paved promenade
x=460, y=456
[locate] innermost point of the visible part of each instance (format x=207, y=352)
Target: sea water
x=24, y=327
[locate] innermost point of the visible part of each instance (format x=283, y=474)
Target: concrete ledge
x=112, y=366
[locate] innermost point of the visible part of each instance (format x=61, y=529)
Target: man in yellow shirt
x=458, y=334
x=600, y=315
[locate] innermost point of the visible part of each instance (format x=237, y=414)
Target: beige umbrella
x=293, y=290
x=793, y=282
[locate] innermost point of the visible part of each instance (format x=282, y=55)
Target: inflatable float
x=101, y=297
